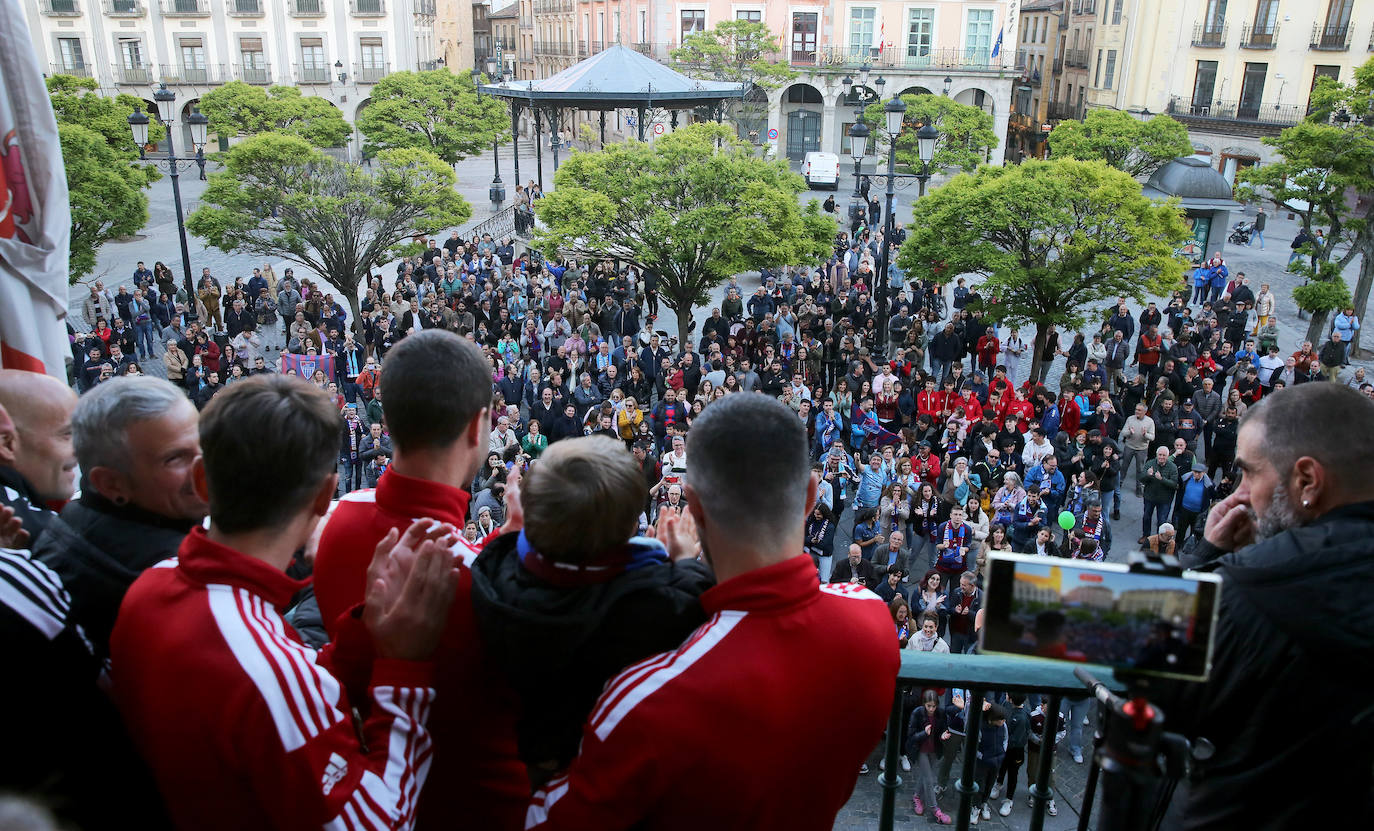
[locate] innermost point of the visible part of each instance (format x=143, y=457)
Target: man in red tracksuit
x=243, y=725
x=438, y=395
x=718, y=734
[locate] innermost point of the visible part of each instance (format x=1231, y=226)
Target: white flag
x=35, y=218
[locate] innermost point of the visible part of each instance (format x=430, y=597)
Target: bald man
x=37, y=462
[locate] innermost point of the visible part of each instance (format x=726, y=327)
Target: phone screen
x=1101, y=613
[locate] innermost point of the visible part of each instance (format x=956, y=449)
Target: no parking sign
x=772, y=133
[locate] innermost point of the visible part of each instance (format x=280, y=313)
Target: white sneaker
x=882, y=763
x=906, y=764
x=1005, y=810
x=1059, y=737
x=1085, y=722
x=995, y=792
x=863, y=768
x=1078, y=757
x=987, y=811
x=973, y=816
x=1053, y=809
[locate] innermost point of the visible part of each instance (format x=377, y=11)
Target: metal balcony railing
x=314, y=75
x=541, y=6
x=843, y=57
x=980, y=675
x=179, y=74
x=1058, y=64
x=1076, y=57
x=367, y=8
x=425, y=8
x=258, y=74
x=1330, y=38
x=1210, y=35
x=306, y=8
x=1275, y=114
x=551, y=49
x=142, y=75
x=1061, y=111
x=370, y=73
x=185, y=8
x=1259, y=36
x=79, y=70
x=125, y=8
x=60, y=8
x=243, y=8
x=427, y=66
x=597, y=46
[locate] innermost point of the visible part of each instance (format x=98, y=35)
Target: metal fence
x=841, y=57
x=980, y=675
x=1241, y=111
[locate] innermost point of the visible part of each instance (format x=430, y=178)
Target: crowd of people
x=543, y=432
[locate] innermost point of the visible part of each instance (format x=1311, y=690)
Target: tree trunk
x=355, y=320
x=1362, y=286
x=1041, y=335
x=1316, y=329
x=683, y=310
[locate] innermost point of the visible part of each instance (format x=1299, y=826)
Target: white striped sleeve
x=34, y=592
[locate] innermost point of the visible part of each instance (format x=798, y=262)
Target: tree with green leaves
x=966, y=133
x=277, y=196
x=685, y=209
x=437, y=111
x=1350, y=108
x=1052, y=239
x=1121, y=140
x=105, y=181
x=106, y=192
x=1320, y=164
x=742, y=52
x=239, y=109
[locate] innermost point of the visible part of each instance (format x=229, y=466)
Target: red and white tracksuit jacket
x=737, y=728
x=479, y=780
x=242, y=725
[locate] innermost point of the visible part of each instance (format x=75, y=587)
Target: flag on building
x=35, y=218
x=305, y=365
x=997, y=47
x=878, y=40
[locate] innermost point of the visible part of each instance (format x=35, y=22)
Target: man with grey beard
x=1294, y=545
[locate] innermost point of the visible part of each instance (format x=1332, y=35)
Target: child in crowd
x=926, y=733
x=578, y=588
x=1018, y=733
x=992, y=749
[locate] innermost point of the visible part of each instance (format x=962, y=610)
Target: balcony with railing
x=306, y=8
x=543, y=6
x=370, y=73
x=1259, y=113
x=125, y=8
x=1061, y=111
x=185, y=8
x=1076, y=58
x=1330, y=38
x=60, y=8
x=596, y=47
x=244, y=8
x=313, y=75
x=980, y=675
x=367, y=8
x=427, y=66
x=1259, y=36
x=506, y=44
x=844, y=57
x=80, y=70
x=194, y=75
x=1211, y=35
x=1058, y=64
x=553, y=49
x=260, y=74
x=141, y=75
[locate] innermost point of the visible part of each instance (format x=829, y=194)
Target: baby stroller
x=1240, y=233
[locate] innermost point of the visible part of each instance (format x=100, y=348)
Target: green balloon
x=1066, y=520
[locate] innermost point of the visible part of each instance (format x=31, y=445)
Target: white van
x=821, y=170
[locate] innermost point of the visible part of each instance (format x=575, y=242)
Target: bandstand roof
x=617, y=77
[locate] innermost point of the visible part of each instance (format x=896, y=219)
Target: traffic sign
x=658, y=129
x=772, y=133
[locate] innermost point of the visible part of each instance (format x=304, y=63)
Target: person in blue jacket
x=1220, y=274
x=1202, y=280
x=992, y=749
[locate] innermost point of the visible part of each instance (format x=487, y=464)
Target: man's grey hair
x=103, y=416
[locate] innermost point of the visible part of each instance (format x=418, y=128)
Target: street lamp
x=858, y=144
x=198, y=124
x=339, y=73
x=497, y=192
x=925, y=149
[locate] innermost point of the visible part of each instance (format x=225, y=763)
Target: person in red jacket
x=243, y=725
x=988, y=348
x=714, y=734
x=929, y=401
x=438, y=398
x=1070, y=417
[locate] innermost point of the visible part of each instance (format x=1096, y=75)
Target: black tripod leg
x=1041, y=791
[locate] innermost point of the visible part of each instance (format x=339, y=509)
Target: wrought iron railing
x=125, y=8
x=1330, y=38
x=1240, y=111
x=980, y=674
x=843, y=57
x=141, y=74
x=60, y=8
x=257, y=74
x=501, y=224
x=1259, y=36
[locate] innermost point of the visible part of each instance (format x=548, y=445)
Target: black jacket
x=559, y=646
x=1294, y=627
